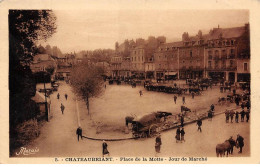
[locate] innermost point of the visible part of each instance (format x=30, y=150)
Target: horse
x=227, y=146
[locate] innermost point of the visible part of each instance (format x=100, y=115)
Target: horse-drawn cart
x=149, y=125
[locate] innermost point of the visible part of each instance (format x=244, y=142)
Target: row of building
x=223, y=53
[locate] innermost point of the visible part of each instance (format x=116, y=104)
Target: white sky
x=92, y=29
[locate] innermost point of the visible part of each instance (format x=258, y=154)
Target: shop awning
x=171, y=73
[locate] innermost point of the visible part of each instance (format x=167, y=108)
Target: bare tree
x=87, y=81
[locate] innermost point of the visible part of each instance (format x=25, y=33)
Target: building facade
x=222, y=54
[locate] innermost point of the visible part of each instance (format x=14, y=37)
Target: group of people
x=62, y=107
x=66, y=96
x=180, y=135
x=104, y=144
x=229, y=114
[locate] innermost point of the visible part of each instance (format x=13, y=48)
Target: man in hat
x=175, y=98
x=58, y=96
x=62, y=107
x=236, y=117
x=182, y=134
x=199, y=123
x=247, y=115
x=178, y=133
x=105, y=150
x=242, y=115
x=158, y=143
x=240, y=142
x=79, y=132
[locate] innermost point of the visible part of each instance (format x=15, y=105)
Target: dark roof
x=225, y=33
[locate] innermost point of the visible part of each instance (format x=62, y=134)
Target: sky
x=93, y=29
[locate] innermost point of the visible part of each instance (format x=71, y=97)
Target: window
x=231, y=63
x=148, y=67
x=209, y=64
x=223, y=53
x=232, y=42
x=223, y=64
x=216, y=54
x=245, y=66
x=232, y=51
x=191, y=53
x=142, y=58
x=210, y=54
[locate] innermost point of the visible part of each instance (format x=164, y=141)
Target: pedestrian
x=236, y=118
x=158, y=143
x=248, y=105
x=178, y=132
x=227, y=116
x=105, y=150
x=212, y=107
x=182, y=121
x=210, y=115
x=62, y=107
x=199, y=123
x=141, y=93
x=182, y=134
x=105, y=86
x=58, y=96
x=66, y=96
x=175, y=98
x=247, y=115
x=242, y=106
x=231, y=114
x=242, y=115
x=183, y=99
x=231, y=140
x=240, y=142
x=79, y=132
x=192, y=94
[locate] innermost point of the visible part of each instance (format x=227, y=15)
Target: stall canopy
x=171, y=73
x=39, y=98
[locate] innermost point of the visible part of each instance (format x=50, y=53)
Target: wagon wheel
x=143, y=135
x=153, y=130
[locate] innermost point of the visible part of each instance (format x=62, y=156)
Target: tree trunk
x=87, y=101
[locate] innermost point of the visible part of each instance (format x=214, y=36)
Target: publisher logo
x=25, y=151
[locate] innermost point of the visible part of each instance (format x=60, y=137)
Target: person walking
x=79, y=132
x=66, y=96
x=247, y=115
x=242, y=115
x=210, y=115
x=236, y=117
x=58, y=96
x=158, y=143
x=231, y=114
x=175, y=98
x=182, y=134
x=227, y=116
x=104, y=148
x=199, y=123
x=62, y=107
x=192, y=94
x=177, y=136
x=141, y=93
x=212, y=107
x=182, y=121
x=240, y=142
x=183, y=99
x=105, y=86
